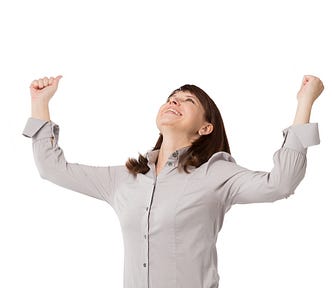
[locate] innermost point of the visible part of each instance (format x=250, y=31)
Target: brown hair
x=202, y=148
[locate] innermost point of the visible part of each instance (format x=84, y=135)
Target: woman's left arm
x=248, y=186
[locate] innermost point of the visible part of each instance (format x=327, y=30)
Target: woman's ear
x=206, y=129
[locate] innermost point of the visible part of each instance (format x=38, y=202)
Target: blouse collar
x=152, y=155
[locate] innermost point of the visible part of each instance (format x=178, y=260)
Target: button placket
x=172, y=159
x=146, y=230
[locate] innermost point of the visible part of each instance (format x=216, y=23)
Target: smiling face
x=182, y=113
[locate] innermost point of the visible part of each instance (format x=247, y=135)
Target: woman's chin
x=168, y=120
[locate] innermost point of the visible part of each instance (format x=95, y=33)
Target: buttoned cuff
x=301, y=136
x=39, y=129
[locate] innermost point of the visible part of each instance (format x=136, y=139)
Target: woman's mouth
x=173, y=111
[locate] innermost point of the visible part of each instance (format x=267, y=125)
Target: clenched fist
x=43, y=89
x=311, y=88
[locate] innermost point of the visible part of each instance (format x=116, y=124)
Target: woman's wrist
x=40, y=110
x=303, y=112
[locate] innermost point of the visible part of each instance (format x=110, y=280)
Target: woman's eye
x=191, y=100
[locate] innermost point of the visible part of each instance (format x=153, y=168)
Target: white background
x=119, y=61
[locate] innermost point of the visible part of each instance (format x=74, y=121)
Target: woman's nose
x=173, y=100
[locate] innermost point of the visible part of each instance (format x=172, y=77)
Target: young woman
x=171, y=201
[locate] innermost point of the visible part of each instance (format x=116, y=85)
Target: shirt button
x=175, y=154
x=147, y=208
x=144, y=264
x=145, y=236
x=169, y=163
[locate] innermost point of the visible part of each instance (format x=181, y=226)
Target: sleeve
x=290, y=161
x=94, y=181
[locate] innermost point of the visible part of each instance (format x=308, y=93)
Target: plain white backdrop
x=120, y=60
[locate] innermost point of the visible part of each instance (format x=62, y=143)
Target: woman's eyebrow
x=191, y=96
x=187, y=95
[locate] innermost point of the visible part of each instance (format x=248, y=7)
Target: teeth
x=174, y=111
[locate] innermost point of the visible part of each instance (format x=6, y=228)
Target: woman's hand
x=43, y=89
x=311, y=88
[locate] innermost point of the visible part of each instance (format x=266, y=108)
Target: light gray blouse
x=170, y=223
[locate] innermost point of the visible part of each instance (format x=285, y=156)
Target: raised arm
x=290, y=161
x=97, y=182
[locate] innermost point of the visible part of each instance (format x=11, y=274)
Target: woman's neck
x=167, y=148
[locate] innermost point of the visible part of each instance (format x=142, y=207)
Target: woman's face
x=183, y=113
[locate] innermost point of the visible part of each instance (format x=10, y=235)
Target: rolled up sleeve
x=33, y=129
x=94, y=181
x=290, y=162
x=299, y=137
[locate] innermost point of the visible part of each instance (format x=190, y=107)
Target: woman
x=171, y=202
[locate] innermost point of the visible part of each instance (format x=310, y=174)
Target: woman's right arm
x=97, y=182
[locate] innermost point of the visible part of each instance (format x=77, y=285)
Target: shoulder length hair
x=202, y=148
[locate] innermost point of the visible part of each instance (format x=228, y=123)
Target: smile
x=174, y=111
